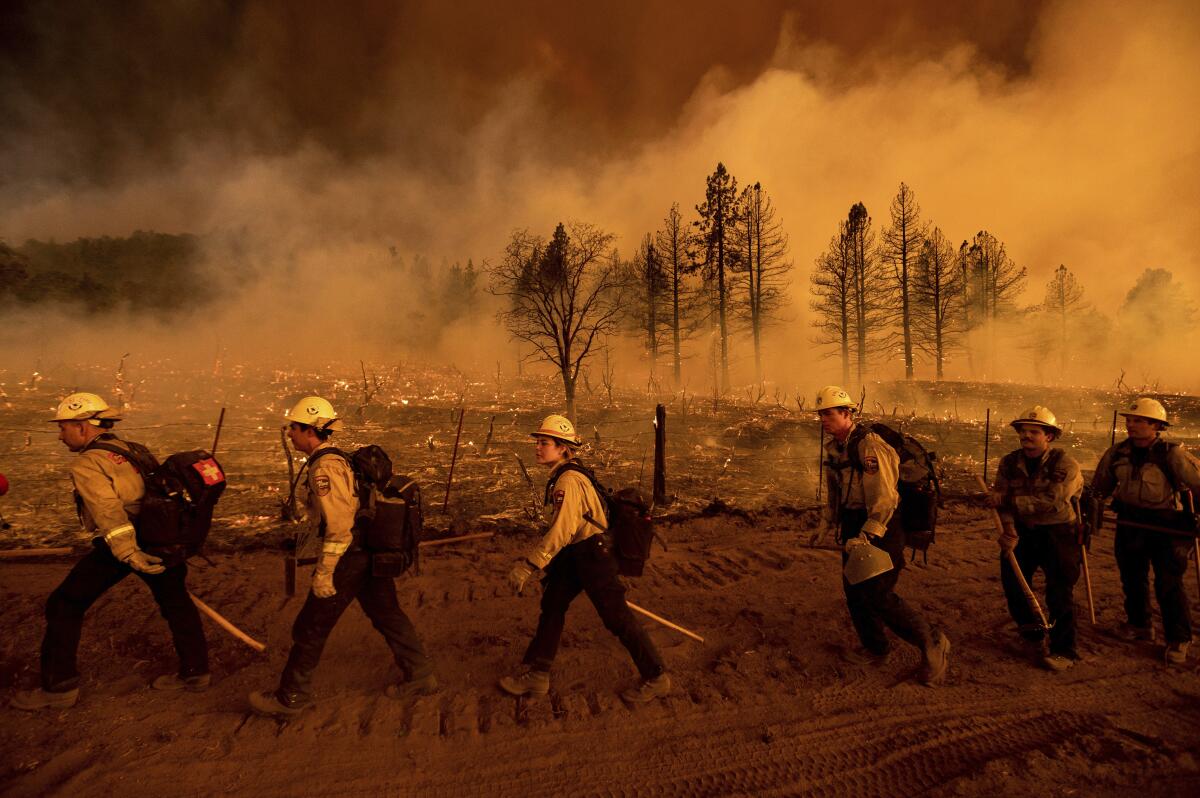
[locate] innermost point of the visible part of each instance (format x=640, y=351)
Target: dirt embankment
x=765, y=706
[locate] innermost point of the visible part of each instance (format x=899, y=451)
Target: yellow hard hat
x=1147, y=408
x=1040, y=416
x=834, y=396
x=559, y=428
x=315, y=412
x=85, y=407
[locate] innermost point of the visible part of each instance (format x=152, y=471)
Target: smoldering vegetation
x=752, y=456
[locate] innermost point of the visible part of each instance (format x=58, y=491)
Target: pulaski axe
x=1016, y=568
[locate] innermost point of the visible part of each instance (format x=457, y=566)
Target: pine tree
x=717, y=217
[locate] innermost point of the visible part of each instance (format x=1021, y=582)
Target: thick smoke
x=1064, y=129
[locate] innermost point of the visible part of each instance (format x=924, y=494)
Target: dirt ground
x=764, y=706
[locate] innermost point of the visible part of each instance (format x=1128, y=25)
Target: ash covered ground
x=764, y=706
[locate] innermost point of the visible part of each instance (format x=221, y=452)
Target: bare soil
x=765, y=706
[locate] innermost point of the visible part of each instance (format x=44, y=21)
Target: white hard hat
x=834, y=396
x=1147, y=408
x=559, y=428
x=1039, y=416
x=315, y=412
x=85, y=407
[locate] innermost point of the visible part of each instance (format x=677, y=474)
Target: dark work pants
x=89, y=580
x=377, y=596
x=873, y=604
x=1054, y=549
x=590, y=567
x=1136, y=551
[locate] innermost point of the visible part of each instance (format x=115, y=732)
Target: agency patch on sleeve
x=116, y=458
x=558, y=497
x=321, y=485
x=871, y=464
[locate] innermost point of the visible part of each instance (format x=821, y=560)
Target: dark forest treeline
x=146, y=272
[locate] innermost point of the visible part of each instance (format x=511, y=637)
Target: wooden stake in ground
x=1015, y=566
x=820, y=460
x=217, y=437
x=222, y=622
x=453, y=459
x=660, y=455
x=1112, y=440
x=987, y=439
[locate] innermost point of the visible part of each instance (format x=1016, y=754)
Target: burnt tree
x=763, y=270
x=898, y=248
x=714, y=231
x=562, y=295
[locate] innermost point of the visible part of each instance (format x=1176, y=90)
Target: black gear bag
x=920, y=492
x=630, y=526
x=390, y=521
x=177, y=508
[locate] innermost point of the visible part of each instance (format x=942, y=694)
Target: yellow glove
x=1007, y=540
x=519, y=575
x=861, y=539
x=139, y=560
x=122, y=542
x=322, y=582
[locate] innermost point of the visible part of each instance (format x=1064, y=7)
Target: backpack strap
x=1159, y=455
x=860, y=432
x=572, y=465
x=138, y=456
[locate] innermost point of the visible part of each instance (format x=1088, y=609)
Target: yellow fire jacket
x=331, y=500
x=873, y=488
x=573, y=495
x=1044, y=498
x=109, y=490
x=1149, y=486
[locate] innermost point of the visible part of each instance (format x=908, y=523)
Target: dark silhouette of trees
x=991, y=284
x=936, y=300
x=714, y=231
x=867, y=281
x=562, y=295
x=651, y=299
x=672, y=246
x=833, y=299
x=762, y=245
x=898, y=249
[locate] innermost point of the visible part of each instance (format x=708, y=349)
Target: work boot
x=1176, y=653
x=33, y=700
x=1136, y=634
x=531, y=682
x=172, y=682
x=426, y=685
x=937, y=659
x=267, y=703
x=862, y=656
x=1057, y=662
x=1034, y=650
x=648, y=690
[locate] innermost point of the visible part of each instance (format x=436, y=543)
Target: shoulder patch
x=871, y=464
x=559, y=495
x=321, y=485
x=116, y=458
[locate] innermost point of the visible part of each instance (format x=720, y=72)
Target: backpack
x=389, y=521
x=920, y=492
x=1159, y=455
x=629, y=523
x=177, y=508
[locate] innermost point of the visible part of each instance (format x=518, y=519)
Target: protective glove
x=139, y=560
x=322, y=582
x=519, y=575
x=855, y=542
x=123, y=545
x=1007, y=540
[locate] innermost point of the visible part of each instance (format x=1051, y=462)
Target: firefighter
x=108, y=495
x=343, y=573
x=573, y=556
x=862, y=502
x=1152, y=481
x=1036, y=492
